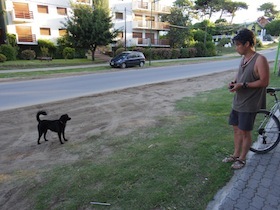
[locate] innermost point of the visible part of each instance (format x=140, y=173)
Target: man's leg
x=246, y=144
x=237, y=141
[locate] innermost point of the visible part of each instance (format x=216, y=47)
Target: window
x=62, y=32
x=61, y=11
x=120, y=35
x=138, y=17
x=25, y=34
x=22, y=11
x=43, y=9
x=45, y=31
x=137, y=35
x=119, y=15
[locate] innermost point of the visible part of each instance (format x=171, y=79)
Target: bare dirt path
x=118, y=113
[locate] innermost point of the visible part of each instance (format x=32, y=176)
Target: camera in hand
x=232, y=85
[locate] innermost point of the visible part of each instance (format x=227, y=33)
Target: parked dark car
x=127, y=59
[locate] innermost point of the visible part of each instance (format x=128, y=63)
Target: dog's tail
x=39, y=113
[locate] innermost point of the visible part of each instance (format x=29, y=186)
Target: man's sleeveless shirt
x=249, y=99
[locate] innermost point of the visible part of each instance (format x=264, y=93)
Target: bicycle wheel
x=265, y=134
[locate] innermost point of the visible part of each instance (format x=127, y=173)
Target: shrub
x=165, y=54
x=259, y=43
x=223, y=42
x=44, y=51
x=175, y=53
x=201, y=49
x=28, y=54
x=2, y=58
x=119, y=50
x=184, y=53
x=68, y=53
x=8, y=51
x=192, y=52
x=210, y=49
x=42, y=44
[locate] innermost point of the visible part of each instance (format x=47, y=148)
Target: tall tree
x=89, y=27
x=273, y=28
x=269, y=10
x=233, y=7
x=208, y=7
x=101, y=4
x=179, y=23
x=224, y=4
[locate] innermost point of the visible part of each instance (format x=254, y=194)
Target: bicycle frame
x=276, y=107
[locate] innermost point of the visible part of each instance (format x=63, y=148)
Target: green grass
x=40, y=74
x=26, y=64
x=174, y=165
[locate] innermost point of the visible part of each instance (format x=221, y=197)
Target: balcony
x=22, y=16
x=159, y=26
x=84, y=1
x=145, y=7
x=154, y=42
x=26, y=39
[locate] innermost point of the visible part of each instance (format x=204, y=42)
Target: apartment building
x=138, y=20
x=31, y=20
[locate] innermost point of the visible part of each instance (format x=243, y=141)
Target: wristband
x=245, y=85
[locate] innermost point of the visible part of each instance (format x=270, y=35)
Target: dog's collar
x=61, y=122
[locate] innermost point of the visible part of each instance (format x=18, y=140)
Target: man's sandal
x=230, y=159
x=238, y=164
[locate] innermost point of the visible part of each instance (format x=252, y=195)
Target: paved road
x=30, y=92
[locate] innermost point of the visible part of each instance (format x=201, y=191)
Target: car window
x=122, y=55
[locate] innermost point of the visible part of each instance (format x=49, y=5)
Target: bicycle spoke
x=265, y=135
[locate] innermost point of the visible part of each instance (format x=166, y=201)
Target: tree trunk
x=92, y=53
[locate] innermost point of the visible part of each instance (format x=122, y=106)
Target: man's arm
x=261, y=71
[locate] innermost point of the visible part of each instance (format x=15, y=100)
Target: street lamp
x=150, y=56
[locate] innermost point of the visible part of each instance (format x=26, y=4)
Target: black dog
x=57, y=126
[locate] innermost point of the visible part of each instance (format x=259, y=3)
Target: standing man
x=249, y=87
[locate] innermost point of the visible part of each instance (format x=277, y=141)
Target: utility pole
x=125, y=28
x=150, y=54
x=151, y=34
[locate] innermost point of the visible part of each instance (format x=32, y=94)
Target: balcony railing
x=148, y=7
x=154, y=42
x=23, y=14
x=155, y=25
x=26, y=38
x=84, y=1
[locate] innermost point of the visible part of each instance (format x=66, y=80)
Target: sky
x=244, y=16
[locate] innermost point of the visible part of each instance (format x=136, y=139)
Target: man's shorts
x=243, y=120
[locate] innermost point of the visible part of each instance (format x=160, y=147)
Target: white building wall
x=51, y=20
x=125, y=24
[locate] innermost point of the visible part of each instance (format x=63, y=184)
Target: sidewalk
x=255, y=187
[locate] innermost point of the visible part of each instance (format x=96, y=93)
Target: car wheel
x=141, y=64
x=123, y=65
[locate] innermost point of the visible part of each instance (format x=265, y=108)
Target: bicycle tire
x=265, y=134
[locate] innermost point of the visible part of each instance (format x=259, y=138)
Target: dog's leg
x=59, y=136
x=40, y=134
x=63, y=134
x=45, y=133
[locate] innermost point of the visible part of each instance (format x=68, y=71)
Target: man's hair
x=245, y=35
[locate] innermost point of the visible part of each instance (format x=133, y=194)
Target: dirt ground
x=118, y=113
